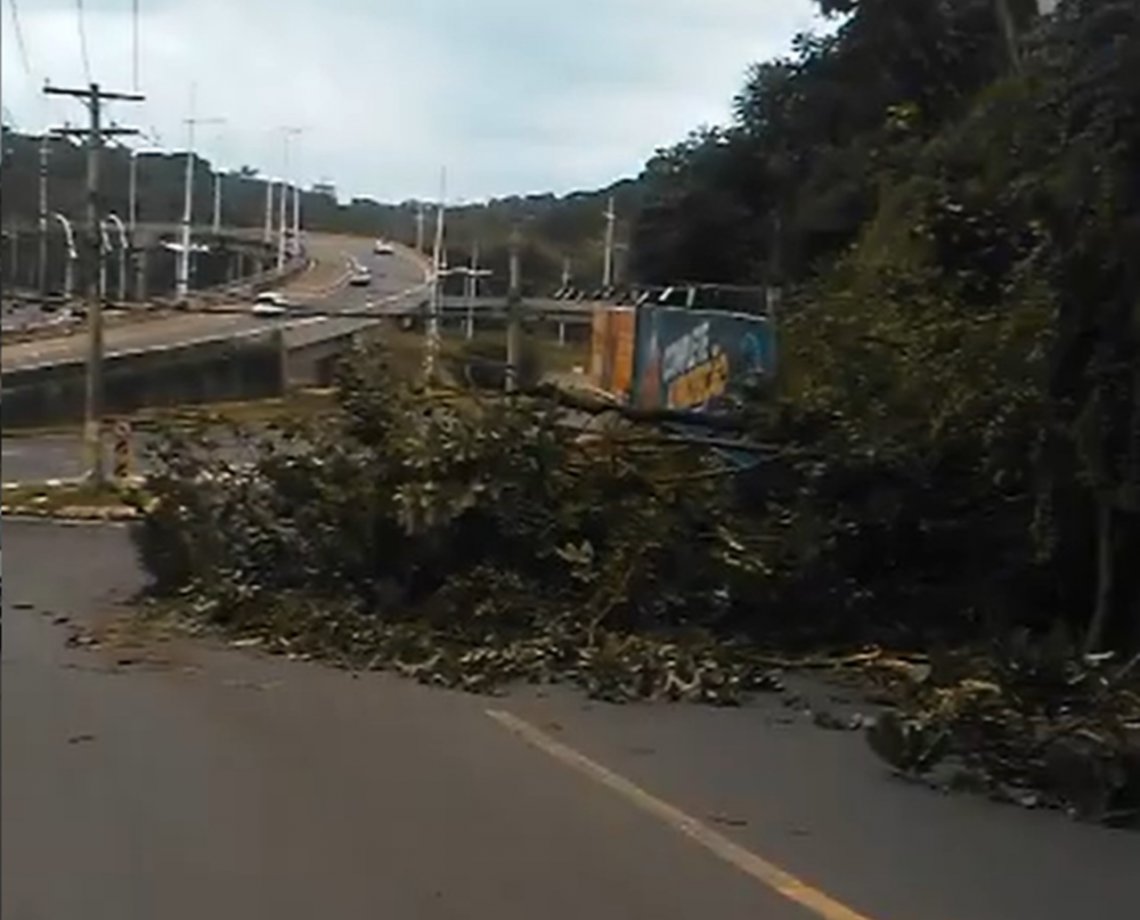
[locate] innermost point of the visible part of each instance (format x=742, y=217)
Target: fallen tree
x=466, y=542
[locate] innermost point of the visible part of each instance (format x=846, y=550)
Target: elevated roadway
x=325, y=286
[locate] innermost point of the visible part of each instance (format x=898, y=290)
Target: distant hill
x=554, y=227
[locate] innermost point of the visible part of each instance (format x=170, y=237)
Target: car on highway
x=383, y=249
x=270, y=303
x=361, y=277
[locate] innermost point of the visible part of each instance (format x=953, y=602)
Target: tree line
x=950, y=197
x=553, y=228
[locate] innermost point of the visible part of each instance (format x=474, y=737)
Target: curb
x=87, y=513
x=61, y=483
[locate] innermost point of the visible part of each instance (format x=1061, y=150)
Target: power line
x=135, y=44
x=83, y=41
x=19, y=32
x=25, y=57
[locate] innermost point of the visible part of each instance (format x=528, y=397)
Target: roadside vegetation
x=948, y=466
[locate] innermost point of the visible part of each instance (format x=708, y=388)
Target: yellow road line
x=771, y=875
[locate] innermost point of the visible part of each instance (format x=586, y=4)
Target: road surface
x=200, y=781
x=391, y=275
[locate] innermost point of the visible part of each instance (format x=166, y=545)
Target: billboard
x=612, y=350
x=693, y=360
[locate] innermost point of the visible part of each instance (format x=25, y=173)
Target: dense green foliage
x=962, y=326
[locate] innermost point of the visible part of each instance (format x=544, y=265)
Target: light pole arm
x=67, y=231
x=120, y=227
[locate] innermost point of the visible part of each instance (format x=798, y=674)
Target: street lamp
x=124, y=245
x=104, y=245
x=72, y=255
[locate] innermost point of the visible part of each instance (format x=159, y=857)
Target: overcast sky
x=513, y=96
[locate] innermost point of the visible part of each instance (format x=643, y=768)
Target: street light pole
x=43, y=217
x=436, y=267
x=608, y=263
x=72, y=255
x=133, y=192
x=123, y=246
x=267, y=235
x=514, y=296
x=104, y=245
x=183, y=292
x=217, y=202
x=281, y=223
x=284, y=212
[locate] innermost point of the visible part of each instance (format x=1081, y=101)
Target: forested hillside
x=957, y=219
x=554, y=228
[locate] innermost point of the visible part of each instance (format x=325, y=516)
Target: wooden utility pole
x=94, y=98
x=514, y=318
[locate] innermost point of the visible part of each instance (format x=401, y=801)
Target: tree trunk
x=1104, y=576
x=1009, y=30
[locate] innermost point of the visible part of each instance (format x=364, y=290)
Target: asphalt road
x=200, y=781
x=36, y=458
x=392, y=274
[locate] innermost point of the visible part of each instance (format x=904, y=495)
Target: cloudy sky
x=513, y=96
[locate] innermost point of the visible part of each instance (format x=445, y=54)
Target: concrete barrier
x=243, y=367
x=162, y=308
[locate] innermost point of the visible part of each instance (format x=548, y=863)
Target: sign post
x=122, y=452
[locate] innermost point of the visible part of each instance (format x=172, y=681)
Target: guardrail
x=157, y=308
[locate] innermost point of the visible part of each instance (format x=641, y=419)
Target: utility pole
x=188, y=200
x=565, y=274
x=94, y=97
x=608, y=255
x=472, y=287
x=432, y=352
x=514, y=296
x=419, y=226
x=43, y=216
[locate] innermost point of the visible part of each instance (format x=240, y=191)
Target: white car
x=362, y=277
x=270, y=303
x=383, y=249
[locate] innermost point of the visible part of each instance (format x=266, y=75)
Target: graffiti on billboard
x=692, y=359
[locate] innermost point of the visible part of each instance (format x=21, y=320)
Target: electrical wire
x=135, y=44
x=20, y=45
x=83, y=41
x=26, y=58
